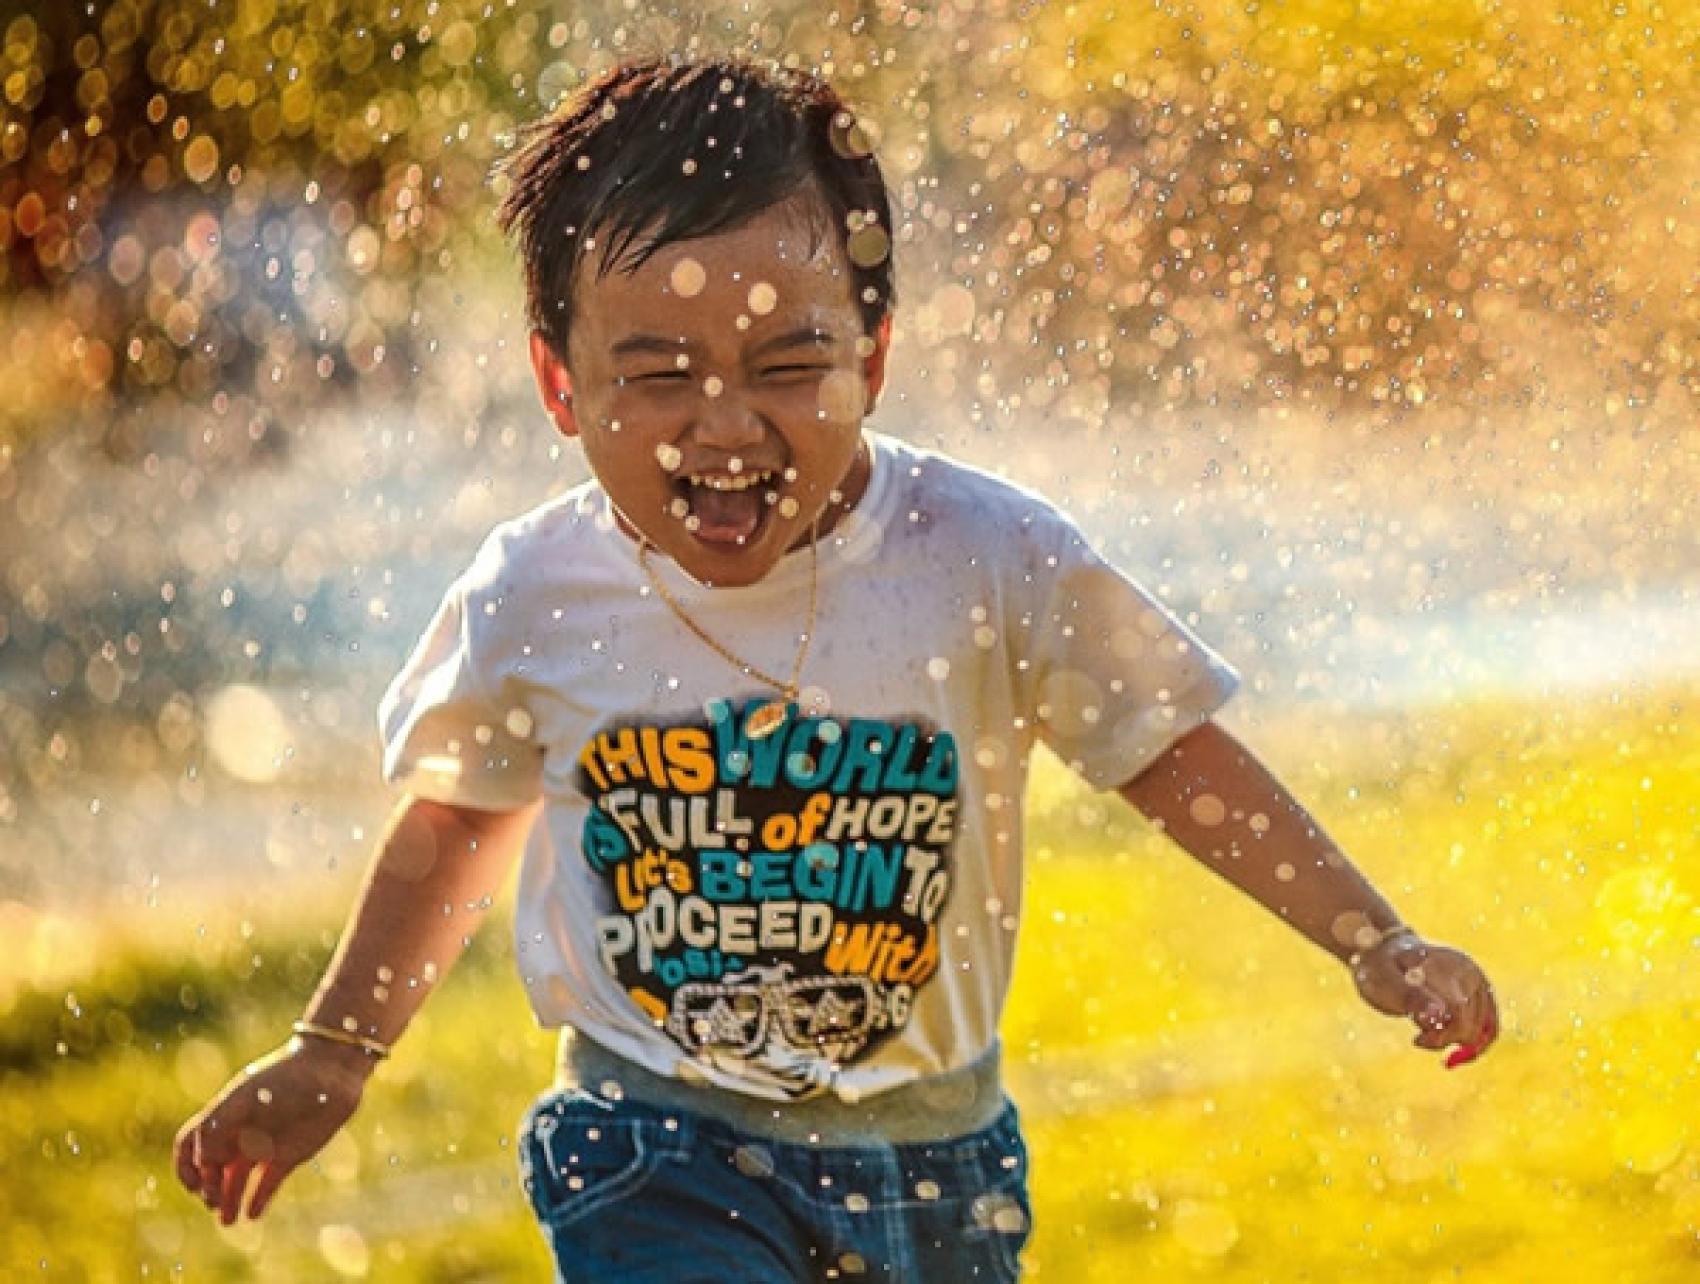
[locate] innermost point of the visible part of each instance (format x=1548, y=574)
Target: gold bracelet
x=1382, y=937
x=371, y=1047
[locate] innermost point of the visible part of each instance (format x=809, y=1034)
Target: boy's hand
x=1439, y=988
x=272, y=1117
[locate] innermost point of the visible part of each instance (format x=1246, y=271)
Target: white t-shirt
x=832, y=906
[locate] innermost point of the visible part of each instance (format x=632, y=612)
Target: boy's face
x=719, y=392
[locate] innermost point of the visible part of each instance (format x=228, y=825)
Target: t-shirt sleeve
x=1115, y=677
x=452, y=727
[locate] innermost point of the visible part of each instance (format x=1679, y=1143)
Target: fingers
x=1437, y=987
x=235, y=1185
x=1427, y=1001
x=1434, y=1023
x=1450, y=1009
x=209, y=1168
x=1469, y=1051
x=271, y=1177
x=221, y=1180
x=1483, y=1028
x=183, y=1158
x=199, y=1172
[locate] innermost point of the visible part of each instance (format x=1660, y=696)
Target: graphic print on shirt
x=774, y=902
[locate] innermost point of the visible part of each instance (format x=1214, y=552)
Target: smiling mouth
x=727, y=509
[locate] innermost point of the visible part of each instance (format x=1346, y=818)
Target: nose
x=726, y=418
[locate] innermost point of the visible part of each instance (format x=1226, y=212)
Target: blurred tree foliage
x=1362, y=203
x=1343, y=204
x=235, y=197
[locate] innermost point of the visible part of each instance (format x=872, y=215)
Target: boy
x=771, y=681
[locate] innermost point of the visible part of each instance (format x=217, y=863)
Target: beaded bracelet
x=371, y=1047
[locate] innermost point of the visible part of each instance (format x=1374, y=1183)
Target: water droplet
x=753, y=1161
x=1208, y=809
x=247, y=733
x=1009, y=1219
x=868, y=246
x=1208, y=1230
x=344, y=1250
x=1354, y=928
x=688, y=278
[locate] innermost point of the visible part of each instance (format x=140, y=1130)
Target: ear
x=873, y=365
x=554, y=385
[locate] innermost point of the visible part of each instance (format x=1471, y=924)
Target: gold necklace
x=769, y=717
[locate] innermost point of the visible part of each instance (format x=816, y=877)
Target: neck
x=850, y=489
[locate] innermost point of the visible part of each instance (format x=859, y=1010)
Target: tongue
x=726, y=516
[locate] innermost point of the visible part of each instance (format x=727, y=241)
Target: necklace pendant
x=765, y=719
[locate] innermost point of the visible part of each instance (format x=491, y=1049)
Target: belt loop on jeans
x=931, y=1108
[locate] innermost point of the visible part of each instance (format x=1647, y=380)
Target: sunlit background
x=1365, y=333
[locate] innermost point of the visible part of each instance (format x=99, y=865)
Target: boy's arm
x=436, y=873
x=431, y=881
x=1218, y=802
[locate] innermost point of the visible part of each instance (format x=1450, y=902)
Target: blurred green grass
x=1205, y=1096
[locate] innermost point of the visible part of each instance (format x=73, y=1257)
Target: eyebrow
x=651, y=343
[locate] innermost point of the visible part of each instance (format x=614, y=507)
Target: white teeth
x=714, y=482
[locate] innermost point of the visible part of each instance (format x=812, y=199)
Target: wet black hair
x=662, y=150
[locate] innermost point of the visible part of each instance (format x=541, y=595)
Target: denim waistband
x=930, y=1108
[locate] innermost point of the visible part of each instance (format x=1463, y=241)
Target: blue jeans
x=632, y=1193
